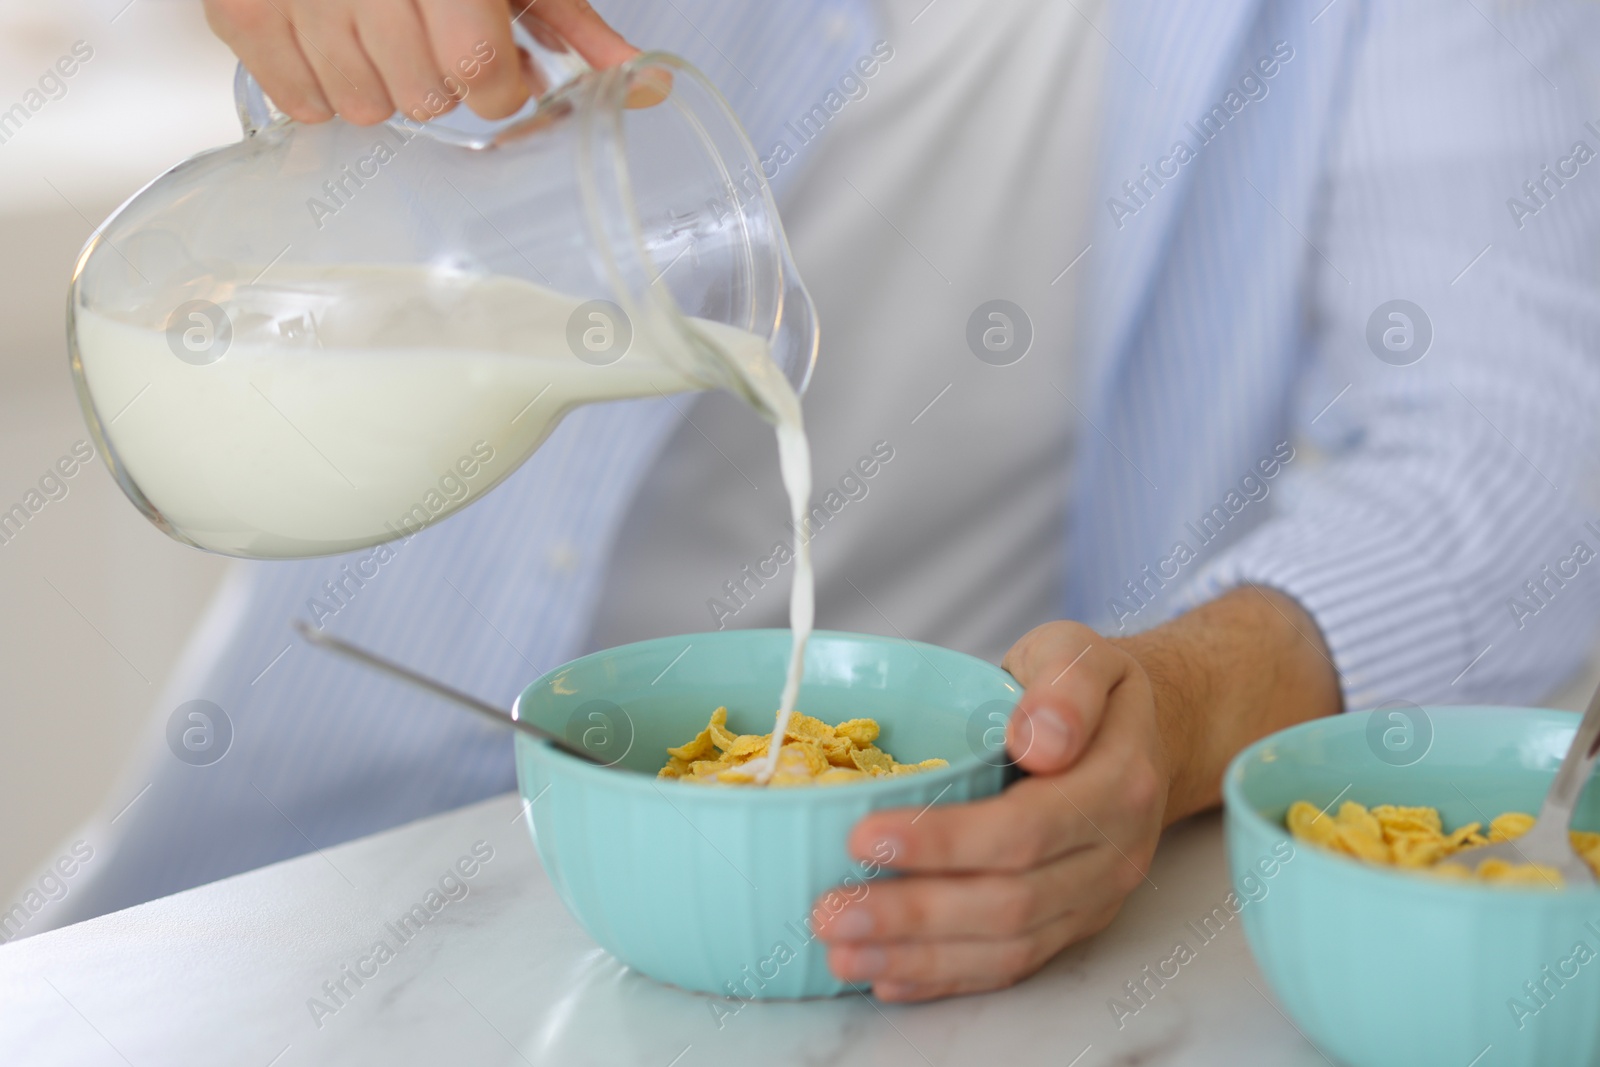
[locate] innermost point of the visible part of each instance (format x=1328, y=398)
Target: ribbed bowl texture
x=711, y=888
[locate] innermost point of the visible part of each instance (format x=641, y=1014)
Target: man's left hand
x=1121, y=736
x=1001, y=885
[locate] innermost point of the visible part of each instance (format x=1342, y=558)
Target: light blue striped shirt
x=1238, y=425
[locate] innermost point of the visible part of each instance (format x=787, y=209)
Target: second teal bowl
x=711, y=888
x=1382, y=968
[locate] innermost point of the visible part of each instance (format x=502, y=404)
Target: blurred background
x=98, y=601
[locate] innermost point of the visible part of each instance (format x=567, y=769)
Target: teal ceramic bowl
x=711, y=888
x=1385, y=969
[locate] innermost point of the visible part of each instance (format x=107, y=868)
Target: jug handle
x=551, y=58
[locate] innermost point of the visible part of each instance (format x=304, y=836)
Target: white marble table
x=222, y=975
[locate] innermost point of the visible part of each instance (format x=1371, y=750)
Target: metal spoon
x=1546, y=841
x=456, y=696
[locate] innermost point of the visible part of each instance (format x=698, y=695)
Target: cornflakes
x=813, y=753
x=1414, y=838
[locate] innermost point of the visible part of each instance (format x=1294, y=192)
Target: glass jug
x=284, y=347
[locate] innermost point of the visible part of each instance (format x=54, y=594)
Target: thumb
x=1069, y=672
x=581, y=26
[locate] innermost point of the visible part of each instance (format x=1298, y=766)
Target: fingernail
x=648, y=88
x=851, y=924
x=1046, y=734
x=866, y=963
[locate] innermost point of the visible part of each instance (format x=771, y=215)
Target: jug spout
x=799, y=335
x=693, y=232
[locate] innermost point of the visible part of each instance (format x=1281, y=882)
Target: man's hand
x=1004, y=884
x=366, y=59
x=1121, y=737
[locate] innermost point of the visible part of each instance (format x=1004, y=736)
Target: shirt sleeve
x=1439, y=523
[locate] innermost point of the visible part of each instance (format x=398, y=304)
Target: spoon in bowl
x=437, y=688
x=1547, y=842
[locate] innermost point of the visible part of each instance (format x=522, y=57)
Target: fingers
x=471, y=39
x=584, y=29
x=326, y=34
x=952, y=907
x=1025, y=826
x=265, y=43
x=981, y=963
x=1045, y=652
x=926, y=972
x=593, y=39
x=1070, y=672
x=892, y=991
x=316, y=58
x=398, y=44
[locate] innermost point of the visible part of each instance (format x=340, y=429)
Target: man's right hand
x=366, y=59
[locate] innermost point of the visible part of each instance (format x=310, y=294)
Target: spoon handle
x=422, y=681
x=1575, y=769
